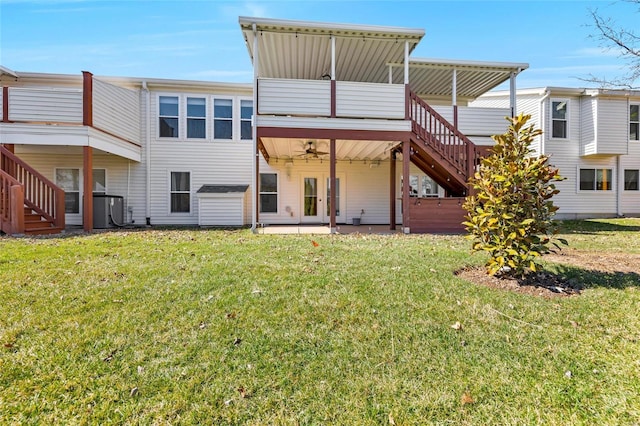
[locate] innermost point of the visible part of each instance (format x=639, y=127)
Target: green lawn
x=227, y=327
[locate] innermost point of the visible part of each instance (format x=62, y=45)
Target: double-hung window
x=69, y=181
x=268, y=193
x=559, y=119
x=634, y=122
x=180, y=192
x=631, y=180
x=196, y=118
x=246, y=111
x=169, y=116
x=596, y=179
x=223, y=119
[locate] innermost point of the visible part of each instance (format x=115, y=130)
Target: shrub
x=510, y=214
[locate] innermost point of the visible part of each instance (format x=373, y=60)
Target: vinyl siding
x=294, y=97
x=370, y=100
x=221, y=209
x=588, y=112
x=613, y=126
x=210, y=162
x=47, y=104
x=116, y=110
x=630, y=200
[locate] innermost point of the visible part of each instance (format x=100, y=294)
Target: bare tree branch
x=626, y=41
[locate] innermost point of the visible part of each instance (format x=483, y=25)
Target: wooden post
x=17, y=209
x=332, y=183
x=87, y=98
x=392, y=191
x=87, y=203
x=5, y=104
x=406, y=162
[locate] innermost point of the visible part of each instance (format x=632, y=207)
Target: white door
x=316, y=207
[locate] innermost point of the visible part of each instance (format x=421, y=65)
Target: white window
x=268, y=193
x=559, y=119
x=422, y=186
x=196, y=118
x=168, y=116
x=631, y=180
x=99, y=181
x=69, y=181
x=596, y=179
x=246, y=111
x=180, y=193
x=634, y=122
x=223, y=119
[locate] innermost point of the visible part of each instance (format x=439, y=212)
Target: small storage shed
x=221, y=205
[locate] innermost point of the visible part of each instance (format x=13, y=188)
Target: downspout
x=147, y=153
x=619, y=187
x=541, y=114
x=254, y=165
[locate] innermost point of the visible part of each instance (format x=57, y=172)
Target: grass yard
x=227, y=327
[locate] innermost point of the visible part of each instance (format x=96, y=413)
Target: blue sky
x=201, y=40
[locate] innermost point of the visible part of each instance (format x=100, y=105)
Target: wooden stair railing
x=40, y=194
x=11, y=205
x=441, y=137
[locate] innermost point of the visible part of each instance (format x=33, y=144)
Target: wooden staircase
x=439, y=149
x=29, y=203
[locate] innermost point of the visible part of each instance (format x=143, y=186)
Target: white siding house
x=362, y=124
x=592, y=137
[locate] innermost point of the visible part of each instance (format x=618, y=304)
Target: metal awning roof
x=302, y=50
x=433, y=78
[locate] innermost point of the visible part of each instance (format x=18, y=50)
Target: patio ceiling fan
x=310, y=150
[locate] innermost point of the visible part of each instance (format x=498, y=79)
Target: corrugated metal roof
x=433, y=78
x=302, y=50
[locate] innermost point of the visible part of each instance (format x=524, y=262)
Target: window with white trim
x=246, y=111
x=422, y=186
x=223, y=118
x=196, y=118
x=268, y=193
x=168, y=116
x=69, y=181
x=631, y=180
x=559, y=119
x=180, y=192
x=596, y=179
x=99, y=181
x=634, y=122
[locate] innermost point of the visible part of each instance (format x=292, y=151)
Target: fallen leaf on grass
x=134, y=391
x=230, y=315
x=457, y=326
x=202, y=325
x=314, y=243
x=237, y=341
x=243, y=392
x=110, y=356
x=467, y=399
x=392, y=422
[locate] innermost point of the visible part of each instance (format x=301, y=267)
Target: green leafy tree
x=510, y=216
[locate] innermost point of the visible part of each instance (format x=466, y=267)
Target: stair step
x=43, y=231
x=37, y=225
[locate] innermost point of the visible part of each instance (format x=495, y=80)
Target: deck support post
x=87, y=175
x=392, y=191
x=332, y=184
x=406, y=162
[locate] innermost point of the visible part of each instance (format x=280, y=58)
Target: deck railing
x=40, y=194
x=11, y=204
x=441, y=136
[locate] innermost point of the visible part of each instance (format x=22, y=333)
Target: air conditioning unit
x=108, y=211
